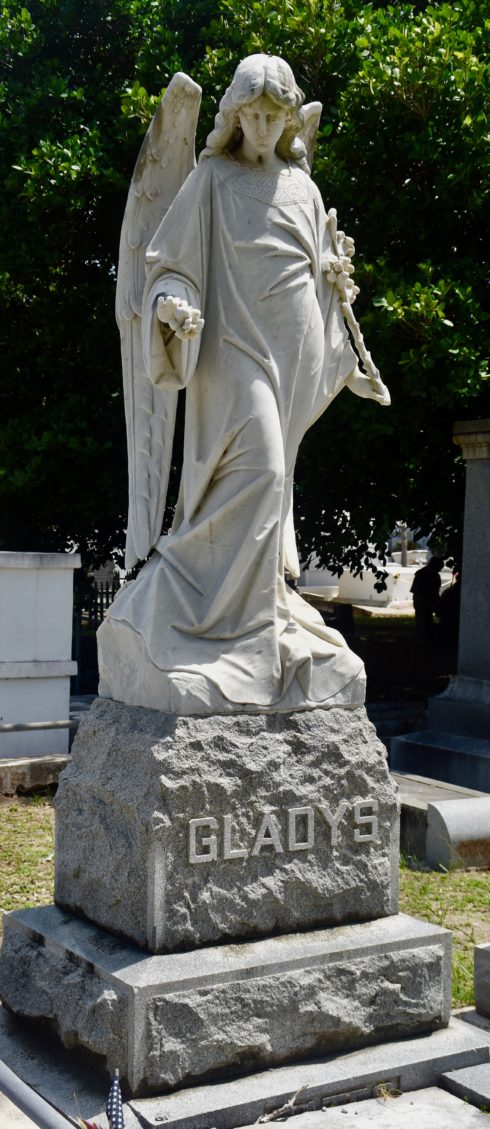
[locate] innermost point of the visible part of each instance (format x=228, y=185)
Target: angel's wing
x=166, y=158
x=311, y=114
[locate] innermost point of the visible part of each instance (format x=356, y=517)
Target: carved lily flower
x=339, y=268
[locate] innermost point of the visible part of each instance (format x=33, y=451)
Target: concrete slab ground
x=76, y=1088
x=472, y=1083
x=170, y=1020
x=11, y=1117
x=72, y=1087
x=22, y=1106
x=404, y=1065
x=429, y=1109
x=471, y=1015
x=423, y=790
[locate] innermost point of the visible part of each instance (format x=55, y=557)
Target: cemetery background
x=350, y=531
x=457, y=900
x=79, y=89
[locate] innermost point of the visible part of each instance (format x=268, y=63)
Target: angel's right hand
x=184, y=320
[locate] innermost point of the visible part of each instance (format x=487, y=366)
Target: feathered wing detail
x=311, y=114
x=166, y=158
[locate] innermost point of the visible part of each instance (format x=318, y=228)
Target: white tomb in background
x=360, y=589
x=36, y=606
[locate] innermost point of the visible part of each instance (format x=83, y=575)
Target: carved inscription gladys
x=293, y=829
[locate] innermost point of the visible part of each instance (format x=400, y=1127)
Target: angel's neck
x=249, y=157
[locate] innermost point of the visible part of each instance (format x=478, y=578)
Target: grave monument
x=455, y=746
x=227, y=831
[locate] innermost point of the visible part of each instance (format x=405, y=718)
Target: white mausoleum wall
x=36, y=605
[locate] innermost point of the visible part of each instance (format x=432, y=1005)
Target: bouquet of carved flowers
x=339, y=268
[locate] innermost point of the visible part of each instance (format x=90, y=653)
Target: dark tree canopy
x=402, y=154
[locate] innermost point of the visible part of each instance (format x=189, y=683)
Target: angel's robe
x=209, y=624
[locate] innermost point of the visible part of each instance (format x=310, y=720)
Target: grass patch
x=26, y=851
x=384, y=629
x=458, y=900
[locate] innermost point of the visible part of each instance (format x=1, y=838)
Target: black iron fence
x=90, y=609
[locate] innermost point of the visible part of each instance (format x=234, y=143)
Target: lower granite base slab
x=402, y=1066
x=75, y=1089
x=472, y=1083
x=174, y=1020
x=431, y=1108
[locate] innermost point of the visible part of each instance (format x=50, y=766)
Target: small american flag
x=114, y=1107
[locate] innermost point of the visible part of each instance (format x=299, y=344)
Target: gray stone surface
x=446, y=756
x=172, y=1020
x=76, y=1088
x=22, y=1108
x=405, y=1065
x=23, y=774
x=46, y=981
x=457, y=711
x=425, y=790
x=474, y=641
x=482, y=979
x=72, y=1086
x=416, y=792
x=455, y=747
x=137, y=781
x=475, y=1017
x=11, y=1117
x=458, y=832
x=471, y=1083
x=429, y=1109
x=464, y=707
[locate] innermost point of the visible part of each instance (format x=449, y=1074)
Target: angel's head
x=255, y=76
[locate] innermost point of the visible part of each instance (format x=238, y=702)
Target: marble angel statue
x=235, y=285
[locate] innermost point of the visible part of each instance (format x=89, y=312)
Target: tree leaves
x=402, y=154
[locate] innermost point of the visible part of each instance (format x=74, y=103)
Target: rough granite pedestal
x=256, y=858
x=206, y=828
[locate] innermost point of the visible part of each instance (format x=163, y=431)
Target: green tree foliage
x=402, y=155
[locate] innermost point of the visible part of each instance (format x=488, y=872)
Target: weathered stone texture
x=176, y=1019
x=138, y=777
x=273, y=1019
x=482, y=979
x=40, y=982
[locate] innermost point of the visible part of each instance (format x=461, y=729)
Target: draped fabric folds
x=209, y=624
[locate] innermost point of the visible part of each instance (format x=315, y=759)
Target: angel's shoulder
x=315, y=192
x=199, y=175
x=220, y=167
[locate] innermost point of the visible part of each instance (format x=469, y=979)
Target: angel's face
x=262, y=122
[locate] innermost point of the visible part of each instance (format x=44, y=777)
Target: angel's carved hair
x=256, y=75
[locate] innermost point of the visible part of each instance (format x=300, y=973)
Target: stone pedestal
x=465, y=706
x=482, y=979
x=256, y=858
x=178, y=832
x=455, y=746
x=168, y=1021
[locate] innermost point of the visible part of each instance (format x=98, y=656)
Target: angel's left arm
x=338, y=292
